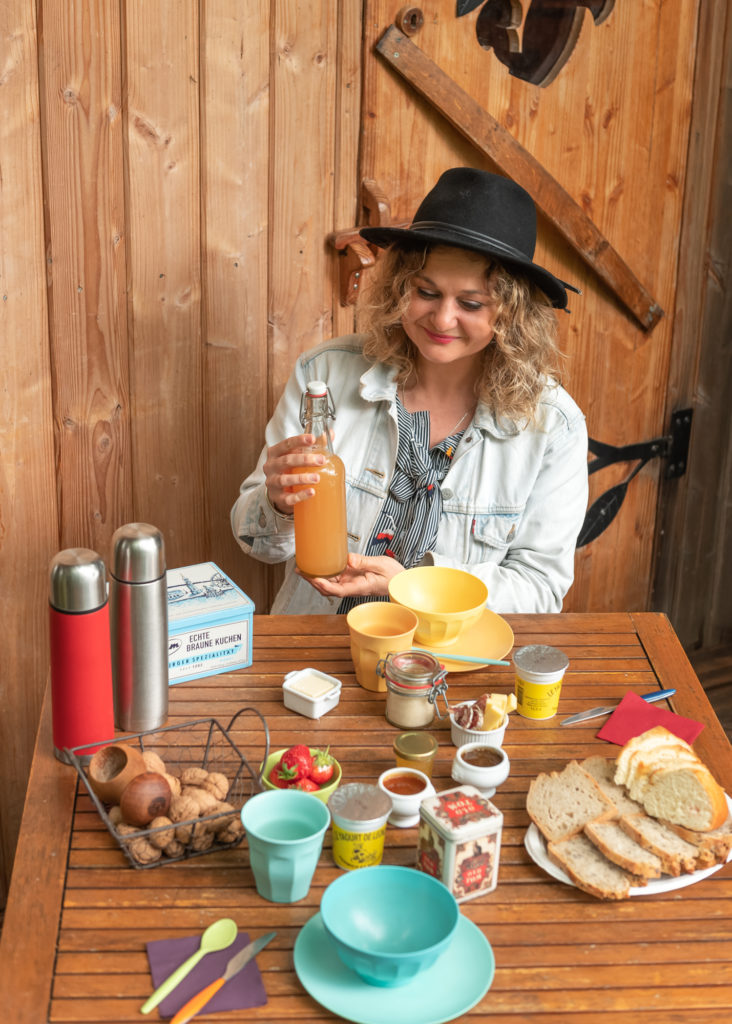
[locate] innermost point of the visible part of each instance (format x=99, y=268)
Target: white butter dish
x=311, y=692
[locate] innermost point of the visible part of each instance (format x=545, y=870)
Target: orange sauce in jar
x=404, y=784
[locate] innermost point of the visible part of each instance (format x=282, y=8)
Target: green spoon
x=217, y=936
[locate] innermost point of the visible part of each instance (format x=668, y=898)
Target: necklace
x=450, y=432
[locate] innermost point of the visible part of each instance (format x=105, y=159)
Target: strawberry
x=323, y=767
x=277, y=780
x=296, y=762
x=307, y=784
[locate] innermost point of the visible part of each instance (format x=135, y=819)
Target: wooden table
x=78, y=917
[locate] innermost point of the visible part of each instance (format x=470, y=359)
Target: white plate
x=536, y=848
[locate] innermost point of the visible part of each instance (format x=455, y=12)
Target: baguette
x=621, y=849
x=561, y=803
x=675, y=853
x=589, y=870
x=663, y=774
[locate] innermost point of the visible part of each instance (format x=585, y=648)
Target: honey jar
x=459, y=841
x=414, y=681
x=415, y=750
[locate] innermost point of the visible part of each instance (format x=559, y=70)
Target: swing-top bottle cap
x=317, y=388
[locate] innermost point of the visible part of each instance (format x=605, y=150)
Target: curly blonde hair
x=522, y=358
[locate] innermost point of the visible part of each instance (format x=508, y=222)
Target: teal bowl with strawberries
x=300, y=767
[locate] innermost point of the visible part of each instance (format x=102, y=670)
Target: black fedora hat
x=474, y=209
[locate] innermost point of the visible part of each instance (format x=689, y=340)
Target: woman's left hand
x=362, y=577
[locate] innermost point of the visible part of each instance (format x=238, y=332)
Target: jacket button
x=447, y=493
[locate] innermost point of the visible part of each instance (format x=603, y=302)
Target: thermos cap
x=77, y=581
x=138, y=553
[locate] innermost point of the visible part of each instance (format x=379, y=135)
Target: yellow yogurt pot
x=539, y=674
x=358, y=813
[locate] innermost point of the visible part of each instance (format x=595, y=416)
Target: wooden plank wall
x=694, y=548
x=29, y=528
x=191, y=159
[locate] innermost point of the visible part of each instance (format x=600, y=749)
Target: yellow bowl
x=322, y=794
x=446, y=601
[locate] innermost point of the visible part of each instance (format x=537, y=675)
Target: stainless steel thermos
x=81, y=665
x=138, y=601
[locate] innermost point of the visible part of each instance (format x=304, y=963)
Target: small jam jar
x=415, y=750
x=414, y=681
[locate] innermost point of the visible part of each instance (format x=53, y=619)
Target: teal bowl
x=389, y=923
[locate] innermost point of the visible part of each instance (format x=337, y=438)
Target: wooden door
x=611, y=129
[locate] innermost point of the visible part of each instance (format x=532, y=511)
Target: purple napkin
x=245, y=989
x=634, y=716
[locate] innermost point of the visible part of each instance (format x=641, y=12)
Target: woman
x=460, y=446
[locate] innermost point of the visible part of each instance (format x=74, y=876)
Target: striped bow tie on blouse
x=416, y=482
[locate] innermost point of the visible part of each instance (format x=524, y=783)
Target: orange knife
x=233, y=967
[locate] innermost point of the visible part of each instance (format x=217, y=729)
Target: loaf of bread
x=663, y=774
x=589, y=870
x=561, y=803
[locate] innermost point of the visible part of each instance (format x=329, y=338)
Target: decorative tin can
x=459, y=841
x=414, y=681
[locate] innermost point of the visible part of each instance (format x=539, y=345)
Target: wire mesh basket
x=201, y=744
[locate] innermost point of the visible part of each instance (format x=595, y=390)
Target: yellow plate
x=490, y=637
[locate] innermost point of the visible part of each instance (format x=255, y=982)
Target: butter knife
x=233, y=967
x=583, y=716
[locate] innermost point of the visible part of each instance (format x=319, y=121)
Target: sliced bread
x=590, y=871
x=622, y=850
x=714, y=847
x=602, y=769
x=675, y=853
x=561, y=803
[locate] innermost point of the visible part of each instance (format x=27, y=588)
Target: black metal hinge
x=674, y=446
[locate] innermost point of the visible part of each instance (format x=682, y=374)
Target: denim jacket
x=514, y=498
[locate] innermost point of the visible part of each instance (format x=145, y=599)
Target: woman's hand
x=279, y=481
x=363, y=576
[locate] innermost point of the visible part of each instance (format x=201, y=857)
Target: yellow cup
x=539, y=674
x=378, y=628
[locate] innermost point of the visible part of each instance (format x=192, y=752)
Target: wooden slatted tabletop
x=78, y=916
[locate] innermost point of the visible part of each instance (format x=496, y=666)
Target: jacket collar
x=378, y=384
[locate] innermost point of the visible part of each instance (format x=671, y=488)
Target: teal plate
x=454, y=984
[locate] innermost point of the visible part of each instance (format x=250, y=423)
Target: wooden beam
x=488, y=136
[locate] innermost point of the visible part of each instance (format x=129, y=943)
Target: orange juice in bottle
x=321, y=545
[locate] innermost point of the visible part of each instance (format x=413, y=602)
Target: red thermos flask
x=81, y=658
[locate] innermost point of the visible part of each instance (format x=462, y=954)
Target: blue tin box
x=209, y=623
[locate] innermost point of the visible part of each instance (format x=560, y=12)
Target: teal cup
x=285, y=830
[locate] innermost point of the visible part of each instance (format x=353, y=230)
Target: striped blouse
x=409, y=519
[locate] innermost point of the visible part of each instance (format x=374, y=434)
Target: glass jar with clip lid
x=414, y=682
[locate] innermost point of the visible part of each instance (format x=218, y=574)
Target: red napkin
x=633, y=716
x=245, y=989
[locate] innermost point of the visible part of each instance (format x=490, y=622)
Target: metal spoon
x=217, y=936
